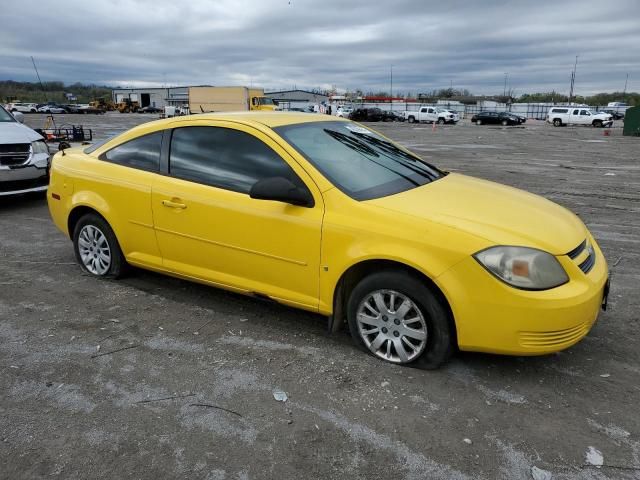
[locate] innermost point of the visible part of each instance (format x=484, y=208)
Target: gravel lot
x=190, y=393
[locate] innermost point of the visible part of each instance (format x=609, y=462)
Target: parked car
x=325, y=215
x=24, y=157
x=392, y=116
x=22, y=107
x=569, y=115
x=617, y=115
x=366, y=115
x=150, y=109
x=344, y=111
x=52, y=108
x=496, y=118
x=522, y=118
x=432, y=115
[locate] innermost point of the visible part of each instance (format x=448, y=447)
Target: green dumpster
x=632, y=122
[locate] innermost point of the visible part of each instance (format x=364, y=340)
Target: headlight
x=523, y=267
x=39, y=147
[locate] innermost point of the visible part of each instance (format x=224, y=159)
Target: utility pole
x=624, y=92
x=573, y=79
x=391, y=89
x=504, y=92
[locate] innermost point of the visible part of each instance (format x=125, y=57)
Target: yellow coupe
x=323, y=214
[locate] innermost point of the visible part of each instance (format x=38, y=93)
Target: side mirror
x=254, y=101
x=281, y=189
x=19, y=116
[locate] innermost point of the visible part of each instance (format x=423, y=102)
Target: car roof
x=269, y=119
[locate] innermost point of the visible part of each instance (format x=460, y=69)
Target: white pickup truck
x=569, y=115
x=432, y=115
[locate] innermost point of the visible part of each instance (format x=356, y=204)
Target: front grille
x=554, y=339
x=590, y=261
x=587, y=264
x=578, y=250
x=14, y=154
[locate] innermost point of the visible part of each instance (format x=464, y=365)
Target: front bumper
x=493, y=317
x=26, y=179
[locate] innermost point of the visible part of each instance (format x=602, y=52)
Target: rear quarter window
x=142, y=153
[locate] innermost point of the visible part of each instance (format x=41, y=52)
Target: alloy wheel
x=392, y=326
x=94, y=250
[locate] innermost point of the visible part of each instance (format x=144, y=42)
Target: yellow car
x=325, y=215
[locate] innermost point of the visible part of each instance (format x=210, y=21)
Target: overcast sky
x=349, y=44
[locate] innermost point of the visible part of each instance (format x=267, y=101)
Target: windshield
x=5, y=116
x=265, y=101
x=358, y=161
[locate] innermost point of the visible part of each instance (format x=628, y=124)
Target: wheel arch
x=77, y=213
x=357, y=271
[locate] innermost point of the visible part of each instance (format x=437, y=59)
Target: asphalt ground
x=154, y=377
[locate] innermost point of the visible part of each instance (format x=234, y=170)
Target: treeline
x=34, y=92
x=632, y=98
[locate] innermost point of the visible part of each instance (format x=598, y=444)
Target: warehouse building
x=296, y=98
x=153, y=96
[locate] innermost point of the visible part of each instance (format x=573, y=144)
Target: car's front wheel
x=478, y=122
x=505, y=123
x=96, y=247
x=396, y=317
x=441, y=121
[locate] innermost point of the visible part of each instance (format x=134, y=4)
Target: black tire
x=412, y=119
x=478, y=122
x=440, y=338
x=505, y=123
x=118, y=265
x=557, y=122
x=441, y=121
x=598, y=123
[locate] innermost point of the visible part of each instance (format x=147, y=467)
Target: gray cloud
x=278, y=44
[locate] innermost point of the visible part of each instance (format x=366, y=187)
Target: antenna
x=41, y=86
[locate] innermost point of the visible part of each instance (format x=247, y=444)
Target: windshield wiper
x=351, y=142
x=388, y=147
x=364, y=149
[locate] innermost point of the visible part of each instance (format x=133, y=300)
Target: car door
x=432, y=116
x=124, y=176
x=209, y=228
x=585, y=117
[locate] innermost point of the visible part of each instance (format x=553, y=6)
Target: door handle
x=172, y=204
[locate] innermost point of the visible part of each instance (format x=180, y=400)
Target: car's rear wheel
x=397, y=318
x=412, y=119
x=96, y=247
x=557, y=122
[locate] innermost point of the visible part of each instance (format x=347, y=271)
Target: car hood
x=14, y=132
x=500, y=214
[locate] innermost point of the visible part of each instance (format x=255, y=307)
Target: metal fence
x=530, y=110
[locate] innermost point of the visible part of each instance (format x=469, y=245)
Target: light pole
x=504, y=92
x=391, y=88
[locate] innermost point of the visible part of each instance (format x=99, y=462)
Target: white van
x=24, y=157
x=569, y=115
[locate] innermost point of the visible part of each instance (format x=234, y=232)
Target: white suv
x=560, y=116
x=23, y=107
x=24, y=157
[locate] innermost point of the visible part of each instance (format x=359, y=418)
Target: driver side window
x=224, y=158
